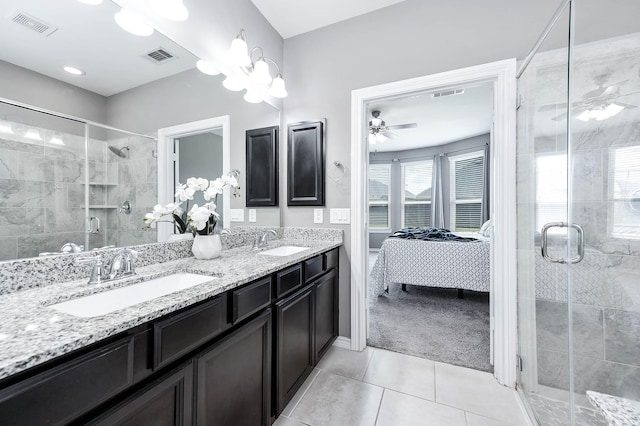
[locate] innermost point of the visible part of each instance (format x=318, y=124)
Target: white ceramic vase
x=206, y=246
x=180, y=237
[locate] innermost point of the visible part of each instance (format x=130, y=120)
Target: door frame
x=166, y=158
x=503, y=301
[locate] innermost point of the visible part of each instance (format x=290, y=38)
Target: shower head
x=120, y=152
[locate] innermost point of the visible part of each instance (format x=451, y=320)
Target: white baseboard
x=342, y=342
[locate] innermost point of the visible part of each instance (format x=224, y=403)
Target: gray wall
x=201, y=156
x=192, y=96
x=409, y=39
x=454, y=148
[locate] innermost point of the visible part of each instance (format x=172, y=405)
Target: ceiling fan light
x=132, y=23
x=233, y=83
x=173, y=10
x=252, y=97
x=277, y=89
x=380, y=138
x=238, y=53
x=376, y=122
x=260, y=73
x=207, y=67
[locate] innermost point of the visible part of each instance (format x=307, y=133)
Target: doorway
x=502, y=158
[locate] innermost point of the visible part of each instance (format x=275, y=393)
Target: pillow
x=485, y=229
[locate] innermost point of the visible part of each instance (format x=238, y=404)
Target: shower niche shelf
x=102, y=206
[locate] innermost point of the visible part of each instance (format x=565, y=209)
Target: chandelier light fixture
x=248, y=70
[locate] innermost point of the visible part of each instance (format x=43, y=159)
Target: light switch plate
x=236, y=215
x=318, y=216
x=252, y=215
x=340, y=216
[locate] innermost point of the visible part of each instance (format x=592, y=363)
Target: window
x=379, y=182
x=416, y=198
x=551, y=190
x=625, y=169
x=466, y=179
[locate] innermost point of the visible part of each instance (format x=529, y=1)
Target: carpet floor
x=432, y=323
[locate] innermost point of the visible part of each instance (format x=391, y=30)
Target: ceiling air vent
x=159, y=56
x=33, y=23
x=447, y=93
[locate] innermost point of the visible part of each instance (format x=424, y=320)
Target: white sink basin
x=123, y=297
x=283, y=251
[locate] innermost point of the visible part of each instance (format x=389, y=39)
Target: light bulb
x=33, y=134
x=207, y=67
x=277, y=89
x=56, y=140
x=233, y=83
x=252, y=97
x=74, y=71
x=6, y=128
x=238, y=52
x=173, y=10
x=260, y=73
x=132, y=23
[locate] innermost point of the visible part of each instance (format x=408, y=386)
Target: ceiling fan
x=599, y=103
x=380, y=132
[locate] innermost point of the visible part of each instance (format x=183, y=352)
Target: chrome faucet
x=72, y=248
x=122, y=264
x=262, y=241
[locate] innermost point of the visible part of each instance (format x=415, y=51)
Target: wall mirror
x=48, y=161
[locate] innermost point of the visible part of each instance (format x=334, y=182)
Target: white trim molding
x=342, y=342
x=503, y=185
x=166, y=183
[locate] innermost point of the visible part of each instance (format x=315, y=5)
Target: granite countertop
x=31, y=332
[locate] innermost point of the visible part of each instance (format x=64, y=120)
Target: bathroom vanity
x=233, y=350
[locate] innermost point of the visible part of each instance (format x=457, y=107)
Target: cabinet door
x=233, y=377
x=294, y=347
x=165, y=402
x=326, y=313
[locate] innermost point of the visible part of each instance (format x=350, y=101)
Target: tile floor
x=378, y=387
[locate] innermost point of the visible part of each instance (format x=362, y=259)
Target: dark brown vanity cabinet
x=326, y=312
x=294, y=344
x=233, y=377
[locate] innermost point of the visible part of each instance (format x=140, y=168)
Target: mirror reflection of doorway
x=199, y=155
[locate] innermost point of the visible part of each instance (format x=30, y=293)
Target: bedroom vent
x=447, y=93
x=32, y=23
x=159, y=56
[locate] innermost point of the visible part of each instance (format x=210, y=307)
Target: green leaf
x=180, y=223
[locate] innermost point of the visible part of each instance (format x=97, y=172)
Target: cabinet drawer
x=63, y=393
x=250, y=299
x=313, y=267
x=181, y=333
x=288, y=280
x=331, y=259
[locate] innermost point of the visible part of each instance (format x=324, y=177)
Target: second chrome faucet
x=122, y=265
x=262, y=241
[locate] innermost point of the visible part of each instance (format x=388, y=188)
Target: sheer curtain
x=437, y=203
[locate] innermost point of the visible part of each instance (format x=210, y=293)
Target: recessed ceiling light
x=91, y=2
x=132, y=23
x=74, y=71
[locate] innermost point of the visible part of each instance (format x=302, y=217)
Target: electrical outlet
x=318, y=216
x=341, y=216
x=252, y=215
x=236, y=215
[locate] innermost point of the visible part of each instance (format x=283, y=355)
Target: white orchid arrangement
x=198, y=219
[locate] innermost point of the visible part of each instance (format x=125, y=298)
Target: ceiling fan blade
x=627, y=94
x=403, y=126
x=390, y=135
x=627, y=106
x=551, y=107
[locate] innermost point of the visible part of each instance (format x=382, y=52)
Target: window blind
x=469, y=178
x=379, y=182
x=417, y=182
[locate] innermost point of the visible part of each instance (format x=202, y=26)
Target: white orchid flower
x=211, y=193
x=185, y=193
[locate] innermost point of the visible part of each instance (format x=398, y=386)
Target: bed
x=445, y=264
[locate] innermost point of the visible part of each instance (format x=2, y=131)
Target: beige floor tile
x=478, y=420
x=336, y=400
x=303, y=389
x=402, y=373
x=406, y=410
x=285, y=421
x=477, y=392
x=344, y=362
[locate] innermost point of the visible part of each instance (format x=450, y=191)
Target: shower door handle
x=545, y=245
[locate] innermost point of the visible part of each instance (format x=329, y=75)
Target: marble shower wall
x=42, y=189
x=135, y=178
x=605, y=286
